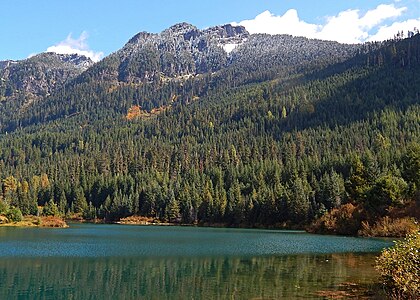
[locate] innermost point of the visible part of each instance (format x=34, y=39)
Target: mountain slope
x=247, y=152
x=39, y=75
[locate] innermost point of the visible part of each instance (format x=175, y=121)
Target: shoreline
x=146, y=221
x=40, y=222
x=57, y=222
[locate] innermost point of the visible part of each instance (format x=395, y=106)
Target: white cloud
x=289, y=23
x=344, y=28
x=76, y=46
x=388, y=32
x=349, y=26
x=381, y=13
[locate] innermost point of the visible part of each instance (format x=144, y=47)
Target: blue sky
x=99, y=27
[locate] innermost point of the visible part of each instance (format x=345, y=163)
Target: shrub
x=50, y=209
x=14, y=214
x=52, y=221
x=343, y=220
x=3, y=220
x=388, y=227
x=3, y=207
x=399, y=267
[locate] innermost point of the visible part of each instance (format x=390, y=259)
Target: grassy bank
x=33, y=221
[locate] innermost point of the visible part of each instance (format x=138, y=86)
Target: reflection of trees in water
x=181, y=278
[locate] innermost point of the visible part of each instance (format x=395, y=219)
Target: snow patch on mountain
x=229, y=47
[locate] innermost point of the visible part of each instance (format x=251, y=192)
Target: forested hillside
x=301, y=128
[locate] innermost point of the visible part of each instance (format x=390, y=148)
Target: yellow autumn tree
x=25, y=187
x=10, y=184
x=45, y=182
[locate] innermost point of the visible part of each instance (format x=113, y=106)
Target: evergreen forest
x=268, y=142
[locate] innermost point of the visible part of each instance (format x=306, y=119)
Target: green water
x=134, y=262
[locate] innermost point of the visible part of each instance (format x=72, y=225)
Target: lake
x=88, y=261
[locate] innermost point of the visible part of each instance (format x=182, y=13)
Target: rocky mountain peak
x=55, y=60
x=190, y=33
x=180, y=29
x=76, y=60
x=140, y=37
x=227, y=31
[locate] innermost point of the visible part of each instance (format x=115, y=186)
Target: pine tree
x=80, y=204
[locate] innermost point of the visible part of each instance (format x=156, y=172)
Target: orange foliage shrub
x=133, y=112
x=344, y=220
x=388, y=227
x=51, y=221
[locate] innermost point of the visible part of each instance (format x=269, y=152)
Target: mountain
x=221, y=126
x=39, y=75
x=23, y=82
x=184, y=50
x=182, y=63
x=181, y=50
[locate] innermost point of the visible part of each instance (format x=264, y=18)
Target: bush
x=399, y=267
x=3, y=220
x=3, y=207
x=14, y=214
x=388, y=227
x=52, y=221
x=50, y=209
x=343, y=220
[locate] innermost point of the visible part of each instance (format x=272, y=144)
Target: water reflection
x=271, y=277
x=87, y=240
